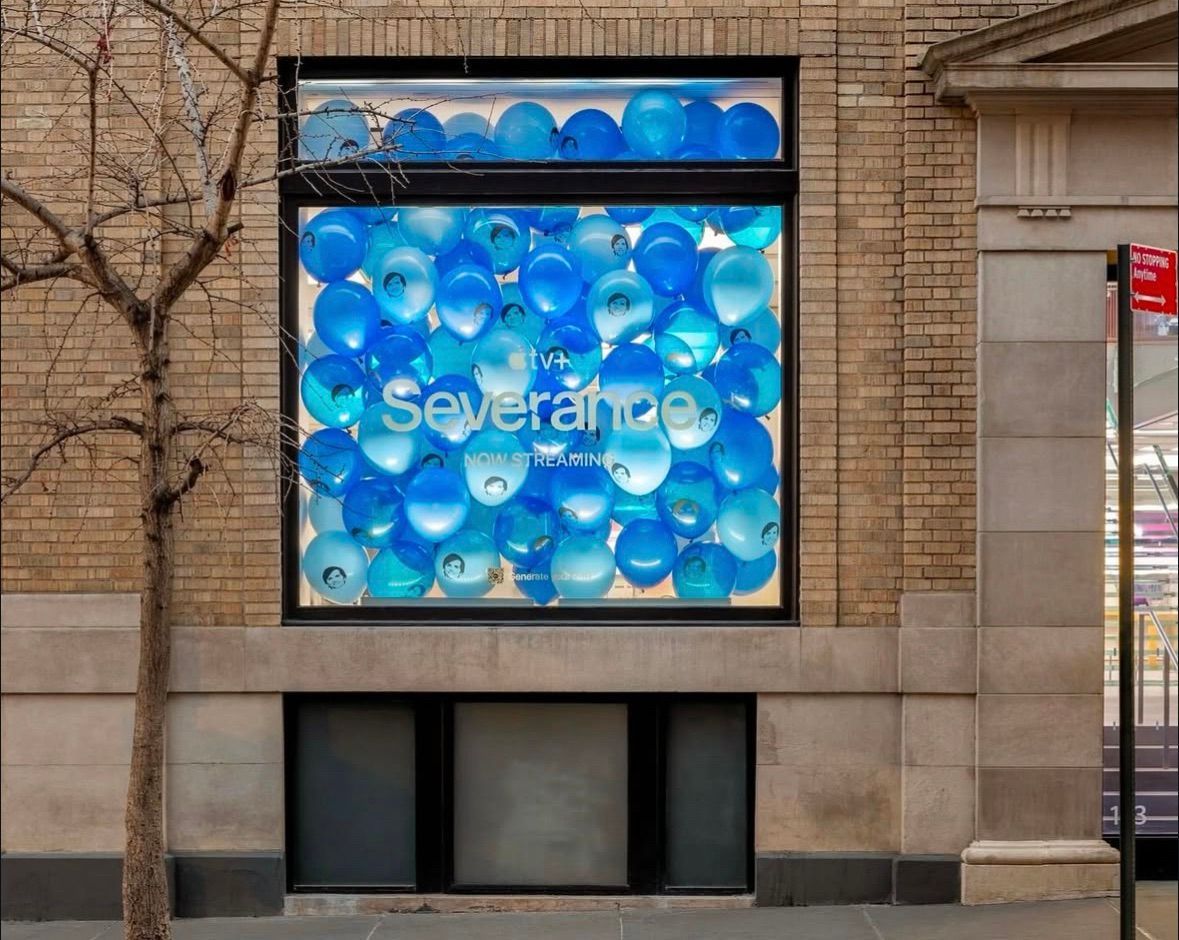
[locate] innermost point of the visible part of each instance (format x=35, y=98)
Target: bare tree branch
x=12, y=484
x=200, y=36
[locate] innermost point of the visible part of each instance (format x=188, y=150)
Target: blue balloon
x=334, y=130
x=332, y=390
x=536, y=583
x=374, y=513
x=547, y=442
x=526, y=131
x=326, y=513
x=333, y=244
x=670, y=215
x=515, y=315
x=740, y=451
x=504, y=362
x=638, y=458
x=449, y=426
x=621, y=306
x=436, y=503
x=747, y=131
x=582, y=496
x=469, y=299
x=763, y=329
x=629, y=215
x=629, y=506
x=582, y=568
x=464, y=563
x=666, y=256
x=686, y=338
x=696, y=153
x=451, y=357
x=404, y=569
x=769, y=480
x=526, y=532
x=330, y=462
x=703, y=119
x=465, y=252
x=692, y=213
x=752, y=226
x=704, y=570
x=550, y=280
x=466, y=122
x=632, y=370
x=694, y=292
x=646, y=552
x=556, y=222
x=500, y=236
x=738, y=284
x=335, y=567
x=404, y=284
x=389, y=450
x=654, y=124
x=346, y=317
x=495, y=465
x=311, y=349
x=434, y=229
x=749, y=523
x=687, y=501
x=383, y=237
x=752, y=576
x=749, y=378
x=414, y=134
x=692, y=416
x=590, y=134
x=400, y=366
x=471, y=147
x=601, y=244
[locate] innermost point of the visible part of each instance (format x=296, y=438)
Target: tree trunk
x=146, y=911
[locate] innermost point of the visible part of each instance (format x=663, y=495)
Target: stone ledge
x=1040, y=852
x=328, y=905
x=69, y=610
x=999, y=872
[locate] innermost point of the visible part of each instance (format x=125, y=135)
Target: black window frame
x=434, y=796
x=768, y=182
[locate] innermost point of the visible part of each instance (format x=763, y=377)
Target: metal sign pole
x=1126, y=718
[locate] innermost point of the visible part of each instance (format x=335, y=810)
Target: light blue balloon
x=504, y=362
x=686, y=338
x=346, y=317
x=404, y=569
x=332, y=390
x=629, y=215
x=387, y=449
x=469, y=299
x=704, y=570
x=466, y=122
x=450, y=430
x=414, y=134
x=465, y=252
x=740, y=451
x=769, y=481
x=646, y=552
x=526, y=532
x=691, y=419
x=550, y=280
x=569, y=357
x=762, y=230
x=526, y=131
x=638, y=458
x=477, y=147
x=335, y=567
x=515, y=315
x=582, y=568
x=326, y=513
x=311, y=349
x=693, y=152
x=451, y=356
x=763, y=329
x=495, y=465
x=383, y=237
x=601, y=244
x=501, y=236
x=694, y=293
x=749, y=523
x=582, y=496
x=621, y=306
x=404, y=284
x=631, y=369
x=692, y=213
x=628, y=507
x=333, y=131
x=703, y=118
x=400, y=365
x=747, y=131
x=555, y=222
x=464, y=562
x=547, y=442
x=749, y=378
x=669, y=215
x=330, y=462
x=590, y=134
x=687, y=501
x=666, y=256
x=738, y=284
x=433, y=229
x=752, y=576
x=333, y=244
x=374, y=512
x=436, y=503
x=654, y=124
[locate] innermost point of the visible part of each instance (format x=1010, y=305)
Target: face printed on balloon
x=416, y=590
x=503, y=238
x=769, y=534
x=560, y=233
x=619, y=245
x=707, y=421
x=476, y=373
x=739, y=335
x=432, y=461
x=620, y=472
x=567, y=514
x=495, y=486
x=716, y=449
x=308, y=240
x=453, y=566
x=481, y=314
x=695, y=567
x=541, y=542
x=512, y=315
x=618, y=305
x=348, y=147
x=394, y=284
x=554, y=138
x=334, y=577
x=569, y=148
x=343, y=390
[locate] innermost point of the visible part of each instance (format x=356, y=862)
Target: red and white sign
x=1153, y=287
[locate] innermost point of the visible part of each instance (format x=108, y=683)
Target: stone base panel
x=998, y=872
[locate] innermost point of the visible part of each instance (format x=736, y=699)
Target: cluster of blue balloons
x=654, y=125
x=541, y=396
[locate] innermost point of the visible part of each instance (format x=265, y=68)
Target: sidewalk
x=1094, y=919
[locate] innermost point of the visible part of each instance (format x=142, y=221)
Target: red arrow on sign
x=1153, y=285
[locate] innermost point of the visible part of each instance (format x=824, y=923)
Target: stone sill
x=353, y=904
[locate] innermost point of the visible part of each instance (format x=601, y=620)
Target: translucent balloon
x=500, y=235
x=389, y=450
x=536, y=583
x=666, y=256
x=749, y=523
x=464, y=563
x=466, y=122
x=326, y=513
x=762, y=230
x=629, y=215
x=334, y=130
x=763, y=329
x=670, y=215
x=601, y=244
x=333, y=244
x=400, y=365
x=311, y=349
x=546, y=442
x=514, y=315
x=446, y=401
x=638, y=458
x=747, y=131
x=346, y=317
x=436, y=503
x=738, y=284
x=692, y=213
x=471, y=147
x=383, y=237
x=468, y=300
x=550, y=280
x=654, y=123
x=503, y=362
x=687, y=501
x=694, y=292
x=332, y=390
x=703, y=118
x=374, y=512
x=686, y=338
x=433, y=229
x=704, y=570
x=330, y=461
x=769, y=481
x=526, y=131
x=414, y=134
x=335, y=567
x=629, y=506
x=465, y=252
x=582, y=496
x=404, y=284
x=582, y=568
x=495, y=465
x=691, y=412
x=621, y=306
x=451, y=356
x=696, y=152
x=752, y=576
x=749, y=378
x=646, y=552
x=631, y=369
x=404, y=569
x=590, y=134
x=740, y=451
x=555, y=222
x=526, y=532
